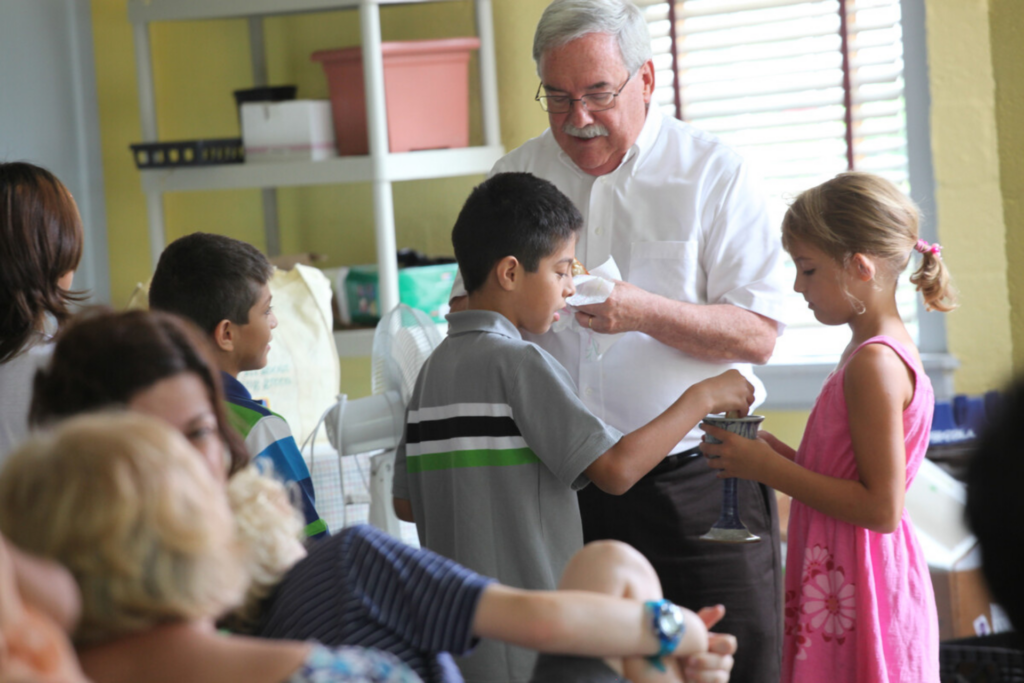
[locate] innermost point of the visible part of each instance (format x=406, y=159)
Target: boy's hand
x=736, y=456
x=725, y=392
x=714, y=665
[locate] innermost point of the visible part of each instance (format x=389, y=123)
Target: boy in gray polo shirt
x=497, y=441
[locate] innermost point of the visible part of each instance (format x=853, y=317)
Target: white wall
x=48, y=112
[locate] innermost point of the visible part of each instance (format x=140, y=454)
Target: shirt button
x=589, y=391
x=598, y=230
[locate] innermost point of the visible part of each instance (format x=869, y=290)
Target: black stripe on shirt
x=456, y=427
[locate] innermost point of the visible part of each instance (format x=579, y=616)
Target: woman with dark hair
x=40, y=246
x=150, y=362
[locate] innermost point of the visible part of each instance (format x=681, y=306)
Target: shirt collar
x=481, y=321
x=640, y=149
x=648, y=135
x=233, y=389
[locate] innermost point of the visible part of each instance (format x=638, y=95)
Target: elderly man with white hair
x=701, y=292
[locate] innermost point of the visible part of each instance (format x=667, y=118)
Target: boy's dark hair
x=209, y=278
x=995, y=504
x=511, y=214
x=41, y=239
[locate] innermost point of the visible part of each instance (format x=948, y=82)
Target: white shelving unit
x=380, y=167
x=359, y=343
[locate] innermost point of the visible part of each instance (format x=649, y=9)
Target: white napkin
x=594, y=288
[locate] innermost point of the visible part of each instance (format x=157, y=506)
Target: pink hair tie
x=924, y=248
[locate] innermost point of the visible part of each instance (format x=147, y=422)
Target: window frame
x=796, y=385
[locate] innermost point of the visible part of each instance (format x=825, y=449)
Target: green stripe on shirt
x=317, y=527
x=241, y=418
x=476, y=458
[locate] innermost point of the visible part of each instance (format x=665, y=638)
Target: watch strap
x=667, y=642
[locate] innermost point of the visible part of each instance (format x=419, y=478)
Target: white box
x=936, y=502
x=295, y=130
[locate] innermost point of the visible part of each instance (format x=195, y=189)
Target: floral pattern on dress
x=830, y=602
x=795, y=630
x=816, y=561
x=825, y=603
x=352, y=665
x=802, y=640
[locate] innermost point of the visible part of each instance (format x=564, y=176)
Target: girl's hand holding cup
x=736, y=456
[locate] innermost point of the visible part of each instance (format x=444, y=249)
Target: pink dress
x=859, y=605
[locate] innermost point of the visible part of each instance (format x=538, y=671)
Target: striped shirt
x=268, y=437
x=363, y=587
x=496, y=445
x=464, y=435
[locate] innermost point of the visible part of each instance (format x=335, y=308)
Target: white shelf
x=354, y=343
x=359, y=343
x=142, y=11
x=442, y=163
x=380, y=168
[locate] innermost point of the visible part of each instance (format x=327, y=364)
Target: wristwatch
x=669, y=627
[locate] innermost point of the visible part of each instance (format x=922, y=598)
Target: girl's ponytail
x=932, y=279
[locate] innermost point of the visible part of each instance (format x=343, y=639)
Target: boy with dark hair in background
x=220, y=283
x=497, y=441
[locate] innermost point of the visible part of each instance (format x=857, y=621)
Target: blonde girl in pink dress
x=859, y=604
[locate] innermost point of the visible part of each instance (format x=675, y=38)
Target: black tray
x=986, y=659
x=188, y=153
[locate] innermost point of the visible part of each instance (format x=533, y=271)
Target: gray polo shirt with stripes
x=495, y=446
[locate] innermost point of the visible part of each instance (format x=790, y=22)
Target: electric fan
x=404, y=339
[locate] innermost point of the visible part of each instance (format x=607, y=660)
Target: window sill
x=795, y=386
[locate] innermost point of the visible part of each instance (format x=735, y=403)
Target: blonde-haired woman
x=126, y=505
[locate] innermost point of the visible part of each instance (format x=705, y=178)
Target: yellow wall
x=188, y=108
x=965, y=147
x=1007, y=22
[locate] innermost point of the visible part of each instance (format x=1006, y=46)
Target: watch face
x=670, y=620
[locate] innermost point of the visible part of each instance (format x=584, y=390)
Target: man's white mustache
x=594, y=130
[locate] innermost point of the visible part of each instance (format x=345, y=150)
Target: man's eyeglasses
x=562, y=104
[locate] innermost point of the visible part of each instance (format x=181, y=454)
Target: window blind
x=803, y=89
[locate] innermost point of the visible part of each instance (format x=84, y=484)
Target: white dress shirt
x=683, y=219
